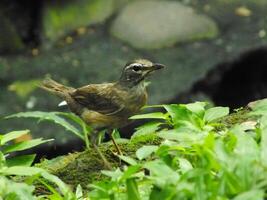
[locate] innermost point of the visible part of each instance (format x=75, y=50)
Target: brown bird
x=108, y=105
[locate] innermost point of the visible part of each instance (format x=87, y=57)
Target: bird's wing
x=102, y=98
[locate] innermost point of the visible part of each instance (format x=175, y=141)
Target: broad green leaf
x=132, y=189
x=254, y=194
x=215, y=113
x=115, y=175
x=197, y=108
x=145, y=151
x=184, y=137
x=184, y=165
x=12, y=135
x=24, y=160
x=21, y=171
x=50, y=116
x=24, y=145
x=183, y=117
x=246, y=146
x=10, y=190
x=258, y=107
x=163, y=172
x=128, y=160
x=156, y=115
x=150, y=127
x=130, y=171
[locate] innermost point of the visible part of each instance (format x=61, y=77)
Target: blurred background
x=214, y=50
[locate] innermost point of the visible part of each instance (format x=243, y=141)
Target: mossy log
x=85, y=167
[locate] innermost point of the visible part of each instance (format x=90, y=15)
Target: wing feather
x=102, y=98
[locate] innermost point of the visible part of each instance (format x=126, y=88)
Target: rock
x=59, y=20
x=157, y=24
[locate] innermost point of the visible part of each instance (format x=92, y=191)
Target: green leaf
x=21, y=171
x=24, y=145
x=145, y=151
x=12, y=135
x=128, y=160
x=130, y=171
x=132, y=189
x=79, y=192
x=183, y=117
x=115, y=175
x=263, y=146
x=215, y=113
x=155, y=115
x=163, y=172
x=50, y=116
x=150, y=127
x=181, y=136
x=10, y=190
x=197, y=108
x=24, y=160
x=258, y=107
x=251, y=195
x=65, y=190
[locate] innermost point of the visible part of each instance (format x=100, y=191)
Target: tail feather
x=56, y=88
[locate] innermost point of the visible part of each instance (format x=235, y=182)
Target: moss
x=237, y=117
x=84, y=167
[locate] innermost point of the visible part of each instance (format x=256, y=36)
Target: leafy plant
x=67, y=120
x=21, y=166
x=198, y=158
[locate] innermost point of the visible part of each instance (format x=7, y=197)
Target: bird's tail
x=56, y=88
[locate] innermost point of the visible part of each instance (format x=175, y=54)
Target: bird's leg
x=93, y=137
x=110, y=131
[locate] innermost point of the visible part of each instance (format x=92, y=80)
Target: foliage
x=80, y=129
x=198, y=158
x=20, y=166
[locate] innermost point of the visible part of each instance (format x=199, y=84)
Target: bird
x=108, y=105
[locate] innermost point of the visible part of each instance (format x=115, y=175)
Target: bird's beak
x=156, y=66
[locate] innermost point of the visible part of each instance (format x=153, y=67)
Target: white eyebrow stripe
x=134, y=64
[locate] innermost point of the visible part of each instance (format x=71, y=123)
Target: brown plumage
x=108, y=105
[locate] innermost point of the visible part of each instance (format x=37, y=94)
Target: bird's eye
x=136, y=68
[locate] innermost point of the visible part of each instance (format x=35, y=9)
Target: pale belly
x=98, y=120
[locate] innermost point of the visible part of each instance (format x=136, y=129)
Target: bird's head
x=136, y=71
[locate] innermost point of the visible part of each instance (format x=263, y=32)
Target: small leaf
x=12, y=135
x=132, y=189
x=145, y=151
x=79, y=192
x=128, y=160
x=24, y=160
x=24, y=145
x=156, y=115
x=215, y=113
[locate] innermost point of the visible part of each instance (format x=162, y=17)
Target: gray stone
x=156, y=24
